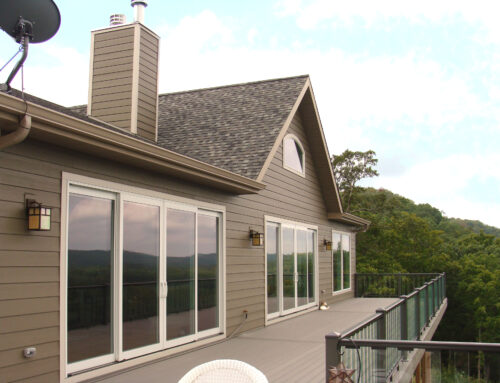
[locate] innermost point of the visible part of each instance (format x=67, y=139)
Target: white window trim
x=342, y=291
x=98, y=187
x=296, y=139
x=282, y=314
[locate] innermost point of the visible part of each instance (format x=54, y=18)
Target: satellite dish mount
x=24, y=34
x=28, y=21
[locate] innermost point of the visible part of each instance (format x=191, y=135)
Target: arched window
x=293, y=155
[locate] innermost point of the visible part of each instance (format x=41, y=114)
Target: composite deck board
x=288, y=351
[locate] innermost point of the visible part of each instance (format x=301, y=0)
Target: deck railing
x=404, y=320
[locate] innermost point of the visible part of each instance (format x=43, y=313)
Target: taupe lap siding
x=29, y=262
x=29, y=272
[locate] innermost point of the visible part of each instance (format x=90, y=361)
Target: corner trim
x=135, y=80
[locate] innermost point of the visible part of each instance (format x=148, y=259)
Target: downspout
x=18, y=135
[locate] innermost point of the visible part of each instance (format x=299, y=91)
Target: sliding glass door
x=140, y=288
x=91, y=267
x=341, y=260
x=291, y=267
x=192, y=273
x=143, y=274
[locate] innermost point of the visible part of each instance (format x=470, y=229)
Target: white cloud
x=251, y=35
x=310, y=14
x=442, y=182
x=61, y=78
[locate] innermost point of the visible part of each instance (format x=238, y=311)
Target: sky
x=417, y=82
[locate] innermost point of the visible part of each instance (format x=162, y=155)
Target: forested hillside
x=408, y=237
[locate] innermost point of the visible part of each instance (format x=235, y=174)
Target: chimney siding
x=123, y=89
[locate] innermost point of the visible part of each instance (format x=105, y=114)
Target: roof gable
x=305, y=105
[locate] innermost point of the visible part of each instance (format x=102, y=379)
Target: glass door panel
x=346, y=260
x=289, y=286
x=141, y=255
x=337, y=262
x=301, y=267
x=208, y=271
x=310, y=266
x=180, y=273
x=272, y=251
x=90, y=277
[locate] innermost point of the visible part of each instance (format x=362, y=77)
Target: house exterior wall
x=30, y=261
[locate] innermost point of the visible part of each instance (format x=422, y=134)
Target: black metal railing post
x=431, y=301
x=356, y=288
x=404, y=317
x=380, y=371
x=404, y=321
x=426, y=304
x=331, y=352
x=418, y=323
x=436, y=295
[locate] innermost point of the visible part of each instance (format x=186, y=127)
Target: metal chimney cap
x=117, y=19
x=133, y=3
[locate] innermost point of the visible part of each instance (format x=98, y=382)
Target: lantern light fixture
x=256, y=238
x=39, y=216
x=327, y=244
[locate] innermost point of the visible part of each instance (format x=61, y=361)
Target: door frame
x=295, y=225
x=119, y=192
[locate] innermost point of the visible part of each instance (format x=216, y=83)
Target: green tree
x=350, y=167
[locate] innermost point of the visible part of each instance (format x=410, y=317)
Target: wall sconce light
x=327, y=244
x=257, y=238
x=38, y=215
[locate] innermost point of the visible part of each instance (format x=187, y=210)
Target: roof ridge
x=234, y=85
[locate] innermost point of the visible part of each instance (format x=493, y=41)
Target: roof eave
x=349, y=219
x=58, y=128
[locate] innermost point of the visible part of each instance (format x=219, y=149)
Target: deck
x=289, y=351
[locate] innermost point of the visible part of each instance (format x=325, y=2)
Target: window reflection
x=310, y=265
x=288, y=268
x=337, y=262
x=207, y=272
x=89, y=277
x=272, y=268
x=346, y=261
x=141, y=250
x=180, y=273
x=301, y=267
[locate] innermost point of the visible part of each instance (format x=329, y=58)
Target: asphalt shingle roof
x=231, y=127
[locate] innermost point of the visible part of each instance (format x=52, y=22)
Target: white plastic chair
x=224, y=370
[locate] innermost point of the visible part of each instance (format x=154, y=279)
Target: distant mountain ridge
x=476, y=226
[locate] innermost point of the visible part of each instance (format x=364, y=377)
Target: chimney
x=123, y=89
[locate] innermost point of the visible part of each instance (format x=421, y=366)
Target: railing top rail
x=392, y=306
x=401, y=274
x=412, y=294
x=427, y=345
x=360, y=326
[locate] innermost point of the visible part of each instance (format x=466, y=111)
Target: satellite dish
x=28, y=21
x=43, y=15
